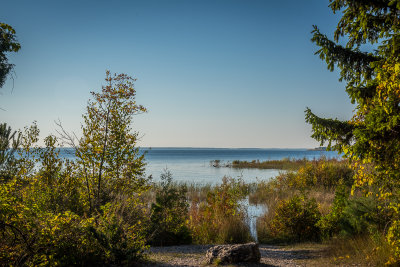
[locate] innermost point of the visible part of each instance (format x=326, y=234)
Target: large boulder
x=223, y=254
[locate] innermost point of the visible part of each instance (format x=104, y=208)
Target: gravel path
x=194, y=255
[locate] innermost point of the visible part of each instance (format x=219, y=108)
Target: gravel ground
x=194, y=255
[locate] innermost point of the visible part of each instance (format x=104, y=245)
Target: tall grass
x=365, y=250
x=297, y=200
x=284, y=164
x=220, y=218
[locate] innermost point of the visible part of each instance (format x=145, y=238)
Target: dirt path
x=194, y=255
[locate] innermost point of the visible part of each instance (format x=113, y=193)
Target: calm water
x=193, y=164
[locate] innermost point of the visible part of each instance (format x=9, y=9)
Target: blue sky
x=211, y=73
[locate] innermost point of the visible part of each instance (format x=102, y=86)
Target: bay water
x=193, y=166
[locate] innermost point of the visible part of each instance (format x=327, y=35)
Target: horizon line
x=194, y=147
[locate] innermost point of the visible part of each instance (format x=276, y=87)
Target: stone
x=223, y=254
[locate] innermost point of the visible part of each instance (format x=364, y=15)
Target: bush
x=169, y=214
x=324, y=173
x=393, y=238
x=294, y=220
x=360, y=216
x=330, y=223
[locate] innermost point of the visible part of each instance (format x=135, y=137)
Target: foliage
x=8, y=43
x=7, y=151
x=169, y=214
x=108, y=157
x=324, y=173
x=221, y=219
x=361, y=215
x=330, y=223
x=47, y=215
x=316, y=175
x=393, y=238
x=360, y=250
x=294, y=220
x=371, y=138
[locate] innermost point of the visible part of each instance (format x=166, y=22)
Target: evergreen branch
x=354, y=64
x=330, y=130
x=361, y=93
x=366, y=20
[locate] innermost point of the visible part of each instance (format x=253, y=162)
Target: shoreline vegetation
x=283, y=164
x=47, y=219
x=100, y=209
x=312, y=205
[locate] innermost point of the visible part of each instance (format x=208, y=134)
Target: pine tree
x=371, y=138
x=373, y=134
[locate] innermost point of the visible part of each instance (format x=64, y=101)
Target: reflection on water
x=253, y=213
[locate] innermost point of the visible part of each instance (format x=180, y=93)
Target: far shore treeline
x=100, y=209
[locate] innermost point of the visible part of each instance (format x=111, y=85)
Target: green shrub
x=354, y=216
x=121, y=233
x=294, y=220
x=360, y=215
x=330, y=223
x=169, y=214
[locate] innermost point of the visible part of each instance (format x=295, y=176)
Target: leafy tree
x=371, y=138
x=107, y=152
x=8, y=43
x=87, y=212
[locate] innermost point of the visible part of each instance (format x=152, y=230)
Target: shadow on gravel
x=288, y=254
x=193, y=255
x=158, y=264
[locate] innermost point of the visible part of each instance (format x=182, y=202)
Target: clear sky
x=212, y=73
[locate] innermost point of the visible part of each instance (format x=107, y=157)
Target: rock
x=233, y=253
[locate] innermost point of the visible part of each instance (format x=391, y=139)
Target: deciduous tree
x=110, y=160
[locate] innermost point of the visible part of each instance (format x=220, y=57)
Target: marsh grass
x=198, y=192
x=216, y=215
x=284, y=164
x=297, y=200
x=220, y=217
